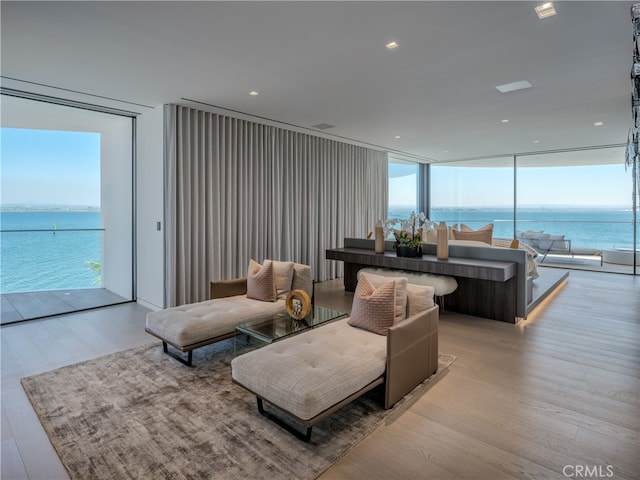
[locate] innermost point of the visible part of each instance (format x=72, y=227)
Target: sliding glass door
x=576, y=207
x=66, y=209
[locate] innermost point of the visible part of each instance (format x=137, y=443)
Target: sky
x=46, y=167
x=592, y=185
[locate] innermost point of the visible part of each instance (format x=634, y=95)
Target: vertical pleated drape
x=237, y=190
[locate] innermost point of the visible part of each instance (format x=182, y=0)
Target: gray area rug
x=141, y=414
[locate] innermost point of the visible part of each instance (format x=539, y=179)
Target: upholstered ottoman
x=315, y=373
x=311, y=375
x=197, y=324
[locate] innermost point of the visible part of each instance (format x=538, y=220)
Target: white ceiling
x=326, y=62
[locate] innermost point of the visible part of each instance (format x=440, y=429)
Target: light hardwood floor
x=557, y=391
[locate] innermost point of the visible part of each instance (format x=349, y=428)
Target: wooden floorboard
x=549, y=280
x=560, y=388
x=520, y=402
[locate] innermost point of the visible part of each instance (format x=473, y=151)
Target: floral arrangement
x=410, y=232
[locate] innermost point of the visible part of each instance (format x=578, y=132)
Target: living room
x=504, y=398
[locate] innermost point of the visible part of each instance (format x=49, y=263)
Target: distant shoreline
x=47, y=208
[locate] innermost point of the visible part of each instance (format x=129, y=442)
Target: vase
x=379, y=238
x=442, y=239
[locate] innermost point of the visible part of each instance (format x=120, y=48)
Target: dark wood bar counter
x=486, y=288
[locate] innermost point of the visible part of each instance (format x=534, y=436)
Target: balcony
x=53, y=271
x=20, y=306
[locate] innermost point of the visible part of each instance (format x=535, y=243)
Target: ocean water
x=39, y=259
x=43, y=255
x=595, y=228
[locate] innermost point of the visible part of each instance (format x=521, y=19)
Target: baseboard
x=149, y=305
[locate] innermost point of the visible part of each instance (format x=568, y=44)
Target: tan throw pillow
x=302, y=278
x=261, y=283
x=373, y=309
x=479, y=235
x=419, y=298
x=283, y=272
x=466, y=228
x=400, y=283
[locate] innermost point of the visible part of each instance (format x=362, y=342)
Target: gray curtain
x=237, y=190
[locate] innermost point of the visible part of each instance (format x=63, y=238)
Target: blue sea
x=43, y=255
x=596, y=228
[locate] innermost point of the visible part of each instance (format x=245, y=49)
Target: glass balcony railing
x=603, y=238
x=599, y=229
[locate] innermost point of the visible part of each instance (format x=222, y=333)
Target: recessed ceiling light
x=598, y=124
x=545, y=10
x=391, y=45
x=504, y=120
x=445, y=151
x=536, y=141
x=254, y=93
x=513, y=87
x=397, y=136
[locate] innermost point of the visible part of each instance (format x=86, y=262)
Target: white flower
x=410, y=225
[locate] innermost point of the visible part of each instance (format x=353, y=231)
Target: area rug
x=141, y=414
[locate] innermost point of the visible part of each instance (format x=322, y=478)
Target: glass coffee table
x=281, y=325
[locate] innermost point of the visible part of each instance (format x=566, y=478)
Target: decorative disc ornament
x=298, y=304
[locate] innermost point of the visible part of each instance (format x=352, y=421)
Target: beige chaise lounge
x=195, y=325
x=313, y=374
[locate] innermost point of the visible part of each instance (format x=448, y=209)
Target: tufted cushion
x=189, y=324
x=400, y=283
x=283, y=273
x=331, y=363
x=261, y=283
x=373, y=308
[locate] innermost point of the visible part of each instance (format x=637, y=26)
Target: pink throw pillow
x=373, y=308
x=261, y=283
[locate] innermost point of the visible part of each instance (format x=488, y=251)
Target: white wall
x=116, y=188
x=150, y=209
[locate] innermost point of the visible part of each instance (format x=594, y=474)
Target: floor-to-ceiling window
x=65, y=209
x=403, y=189
x=574, y=207
x=474, y=193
